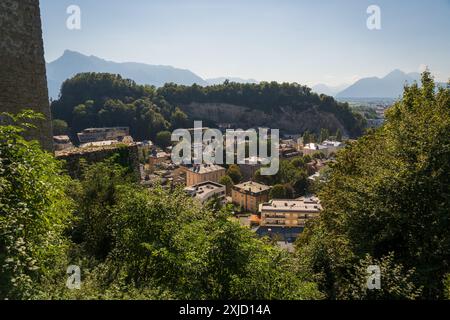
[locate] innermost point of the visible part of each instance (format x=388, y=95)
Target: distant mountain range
x=72, y=63
x=390, y=86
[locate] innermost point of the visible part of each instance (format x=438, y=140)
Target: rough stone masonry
x=23, y=83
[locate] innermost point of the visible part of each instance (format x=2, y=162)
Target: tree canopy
x=129, y=242
x=388, y=197
x=101, y=99
x=105, y=100
x=35, y=211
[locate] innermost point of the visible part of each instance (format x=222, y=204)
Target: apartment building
x=203, y=173
x=289, y=213
x=206, y=191
x=250, y=195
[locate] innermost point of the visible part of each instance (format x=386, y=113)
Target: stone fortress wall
x=23, y=82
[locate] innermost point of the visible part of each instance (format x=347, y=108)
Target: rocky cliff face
x=23, y=83
x=287, y=120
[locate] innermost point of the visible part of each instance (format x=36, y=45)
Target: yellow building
x=250, y=195
x=204, y=173
x=289, y=213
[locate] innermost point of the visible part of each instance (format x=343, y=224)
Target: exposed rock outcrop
x=287, y=119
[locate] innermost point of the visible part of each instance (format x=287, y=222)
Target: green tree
x=319, y=155
x=95, y=197
x=227, y=182
x=278, y=192
x=324, y=135
x=395, y=282
x=164, y=139
x=447, y=286
x=299, y=162
x=389, y=193
x=34, y=214
x=60, y=127
x=266, y=97
x=164, y=241
x=338, y=135
x=178, y=119
x=234, y=172
x=307, y=138
x=301, y=183
x=98, y=99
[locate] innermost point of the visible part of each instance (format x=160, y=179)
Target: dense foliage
x=266, y=96
x=161, y=244
x=34, y=212
x=291, y=179
x=388, y=199
x=228, y=183
x=106, y=100
x=102, y=100
x=60, y=127
x=234, y=172
x=130, y=243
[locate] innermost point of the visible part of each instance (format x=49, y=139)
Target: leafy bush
x=389, y=192
x=34, y=213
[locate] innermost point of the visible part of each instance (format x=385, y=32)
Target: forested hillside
x=273, y=99
x=98, y=99
x=103, y=100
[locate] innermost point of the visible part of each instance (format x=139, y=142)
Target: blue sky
x=309, y=42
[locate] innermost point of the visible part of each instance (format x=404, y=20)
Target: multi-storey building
x=289, y=213
x=207, y=191
x=250, y=195
x=203, y=173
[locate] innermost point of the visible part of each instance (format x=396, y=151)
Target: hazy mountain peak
x=390, y=86
x=69, y=52
x=396, y=74
x=73, y=62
